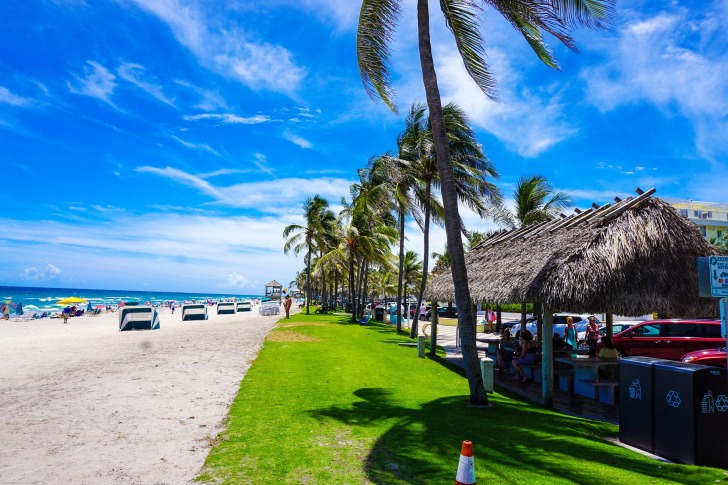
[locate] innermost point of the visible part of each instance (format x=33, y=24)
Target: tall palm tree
x=536, y=202
x=300, y=237
x=377, y=22
x=471, y=172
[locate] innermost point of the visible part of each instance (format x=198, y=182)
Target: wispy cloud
x=226, y=49
x=529, y=122
x=135, y=74
x=265, y=196
x=297, y=140
x=6, y=97
x=235, y=280
x=675, y=60
x=209, y=100
x=228, y=118
x=195, y=146
x=97, y=82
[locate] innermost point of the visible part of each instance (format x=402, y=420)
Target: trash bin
x=691, y=413
x=637, y=401
x=379, y=314
x=348, y=308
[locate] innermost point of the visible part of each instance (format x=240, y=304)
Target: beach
x=83, y=403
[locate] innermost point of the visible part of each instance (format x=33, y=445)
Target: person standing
x=592, y=336
x=287, y=306
x=570, y=336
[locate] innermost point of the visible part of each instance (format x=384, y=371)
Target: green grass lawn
x=331, y=402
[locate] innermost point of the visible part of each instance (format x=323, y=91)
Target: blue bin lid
x=685, y=368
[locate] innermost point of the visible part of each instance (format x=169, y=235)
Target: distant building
x=710, y=217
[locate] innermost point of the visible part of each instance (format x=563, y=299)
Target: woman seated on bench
x=526, y=356
x=608, y=351
x=505, y=352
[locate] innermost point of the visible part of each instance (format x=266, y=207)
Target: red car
x=714, y=357
x=669, y=339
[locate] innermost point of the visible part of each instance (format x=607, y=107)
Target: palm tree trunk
x=351, y=289
x=308, y=279
x=425, y=260
x=360, y=296
x=401, y=269
x=365, y=293
x=450, y=204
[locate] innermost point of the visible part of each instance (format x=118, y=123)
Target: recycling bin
x=379, y=314
x=637, y=401
x=691, y=413
x=348, y=308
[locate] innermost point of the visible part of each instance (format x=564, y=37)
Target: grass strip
x=331, y=402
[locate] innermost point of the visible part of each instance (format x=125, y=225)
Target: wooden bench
x=605, y=389
x=533, y=371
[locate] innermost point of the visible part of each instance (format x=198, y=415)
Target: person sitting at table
x=570, y=334
x=608, y=351
x=558, y=342
x=505, y=351
x=526, y=356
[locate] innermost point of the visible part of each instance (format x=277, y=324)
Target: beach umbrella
x=19, y=309
x=30, y=307
x=99, y=307
x=72, y=300
x=89, y=308
x=6, y=306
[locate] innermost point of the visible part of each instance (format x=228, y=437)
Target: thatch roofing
x=629, y=258
x=273, y=284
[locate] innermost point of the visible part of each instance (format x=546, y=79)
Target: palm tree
x=471, y=170
x=377, y=21
x=412, y=272
x=304, y=237
x=536, y=201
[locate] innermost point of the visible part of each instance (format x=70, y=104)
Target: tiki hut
x=633, y=257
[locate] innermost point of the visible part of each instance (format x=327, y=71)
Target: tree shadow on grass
x=514, y=441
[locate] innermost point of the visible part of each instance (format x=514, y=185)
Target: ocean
x=45, y=298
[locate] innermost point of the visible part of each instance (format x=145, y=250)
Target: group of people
x=521, y=350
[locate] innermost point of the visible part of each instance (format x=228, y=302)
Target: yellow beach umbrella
x=72, y=300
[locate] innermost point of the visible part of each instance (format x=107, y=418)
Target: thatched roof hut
x=629, y=258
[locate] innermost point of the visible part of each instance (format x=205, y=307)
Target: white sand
x=83, y=403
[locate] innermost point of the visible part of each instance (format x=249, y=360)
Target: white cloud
x=209, y=100
x=235, y=280
x=297, y=140
x=676, y=61
x=6, y=97
x=226, y=49
x=49, y=273
x=96, y=82
x=195, y=146
x=529, y=122
x=265, y=196
x=134, y=73
x=228, y=118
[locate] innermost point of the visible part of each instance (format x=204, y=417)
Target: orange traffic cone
x=466, y=467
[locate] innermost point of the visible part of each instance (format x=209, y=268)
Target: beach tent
x=138, y=318
x=194, y=311
x=243, y=306
x=269, y=308
x=226, y=308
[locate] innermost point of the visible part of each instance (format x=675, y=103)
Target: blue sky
x=165, y=144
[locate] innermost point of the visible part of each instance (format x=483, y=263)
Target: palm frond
x=461, y=17
x=377, y=22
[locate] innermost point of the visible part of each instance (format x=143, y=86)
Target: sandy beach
x=83, y=403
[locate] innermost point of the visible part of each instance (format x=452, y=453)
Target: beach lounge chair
x=366, y=319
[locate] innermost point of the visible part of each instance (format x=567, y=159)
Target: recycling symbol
x=721, y=404
x=673, y=399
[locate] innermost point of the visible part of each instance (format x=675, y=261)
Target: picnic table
x=586, y=377
x=493, y=343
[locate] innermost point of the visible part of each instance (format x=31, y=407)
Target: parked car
x=422, y=315
x=442, y=312
x=713, y=357
x=669, y=339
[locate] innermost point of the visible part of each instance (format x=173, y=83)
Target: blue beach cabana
x=138, y=318
x=194, y=311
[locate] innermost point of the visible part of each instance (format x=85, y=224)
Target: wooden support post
x=435, y=319
x=610, y=325
x=547, y=358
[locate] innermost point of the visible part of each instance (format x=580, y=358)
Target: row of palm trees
x=355, y=245
x=361, y=236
